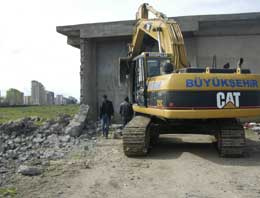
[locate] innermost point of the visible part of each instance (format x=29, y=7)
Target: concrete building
x=14, y=97
x=59, y=100
x=69, y=100
x=27, y=100
x=65, y=101
x=49, y=97
x=228, y=36
x=38, y=93
x=2, y=100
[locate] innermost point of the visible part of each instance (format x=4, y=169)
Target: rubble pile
x=24, y=140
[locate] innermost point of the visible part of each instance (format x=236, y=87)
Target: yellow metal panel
x=178, y=82
x=198, y=114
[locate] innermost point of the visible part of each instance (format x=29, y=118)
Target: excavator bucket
x=124, y=69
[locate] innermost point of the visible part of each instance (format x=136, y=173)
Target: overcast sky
x=31, y=49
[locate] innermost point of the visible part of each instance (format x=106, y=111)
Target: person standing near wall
x=106, y=112
x=126, y=111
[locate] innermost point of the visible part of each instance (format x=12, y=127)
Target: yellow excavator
x=169, y=96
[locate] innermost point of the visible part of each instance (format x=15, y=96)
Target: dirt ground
x=179, y=166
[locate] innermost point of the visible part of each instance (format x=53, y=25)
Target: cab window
x=153, y=66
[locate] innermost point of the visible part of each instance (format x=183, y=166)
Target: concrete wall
x=229, y=41
x=230, y=49
x=191, y=49
x=108, y=52
x=88, y=81
x=201, y=49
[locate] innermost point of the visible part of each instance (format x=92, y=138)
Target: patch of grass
x=44, y=112
x=8, y=192
x=78, y=155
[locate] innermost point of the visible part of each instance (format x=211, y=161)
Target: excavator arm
x=165, y=31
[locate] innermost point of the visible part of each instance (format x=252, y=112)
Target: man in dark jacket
x=106, y=112
x=126, y=111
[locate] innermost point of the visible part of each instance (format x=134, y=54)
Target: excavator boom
x=165, y=31
x=143, y=12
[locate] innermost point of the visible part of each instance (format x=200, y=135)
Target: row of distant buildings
x=39, y=96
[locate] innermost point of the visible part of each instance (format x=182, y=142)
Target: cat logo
x=228, y=100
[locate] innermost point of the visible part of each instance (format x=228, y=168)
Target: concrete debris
x=116, y=130
x=23, y=141
x=253, y=126
x=3, y=170
x=86, y=164
x=30, y=170
x=256, y=129
x=117, y=134
x=74, y=129
x=18, y=127
x=249, y=125
x=65, y=138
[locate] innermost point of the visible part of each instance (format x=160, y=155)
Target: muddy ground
x=179, y=166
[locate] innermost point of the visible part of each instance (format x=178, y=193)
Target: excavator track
x=136, y=137
x=231, y=138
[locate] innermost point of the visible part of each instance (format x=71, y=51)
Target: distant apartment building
x=2, y=100
x=27, y=100
x=50, y=98
x=38, y=93
x=14, y=97
x=59, y=100
x=65, y=100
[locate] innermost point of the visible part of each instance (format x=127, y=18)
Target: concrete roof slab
x=188, y=24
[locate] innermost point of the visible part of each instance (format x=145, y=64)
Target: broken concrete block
x=74, y=129
x=29, y=170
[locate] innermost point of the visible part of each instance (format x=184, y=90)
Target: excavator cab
x=158, y=65
x=140, y=69
x=143, y=68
